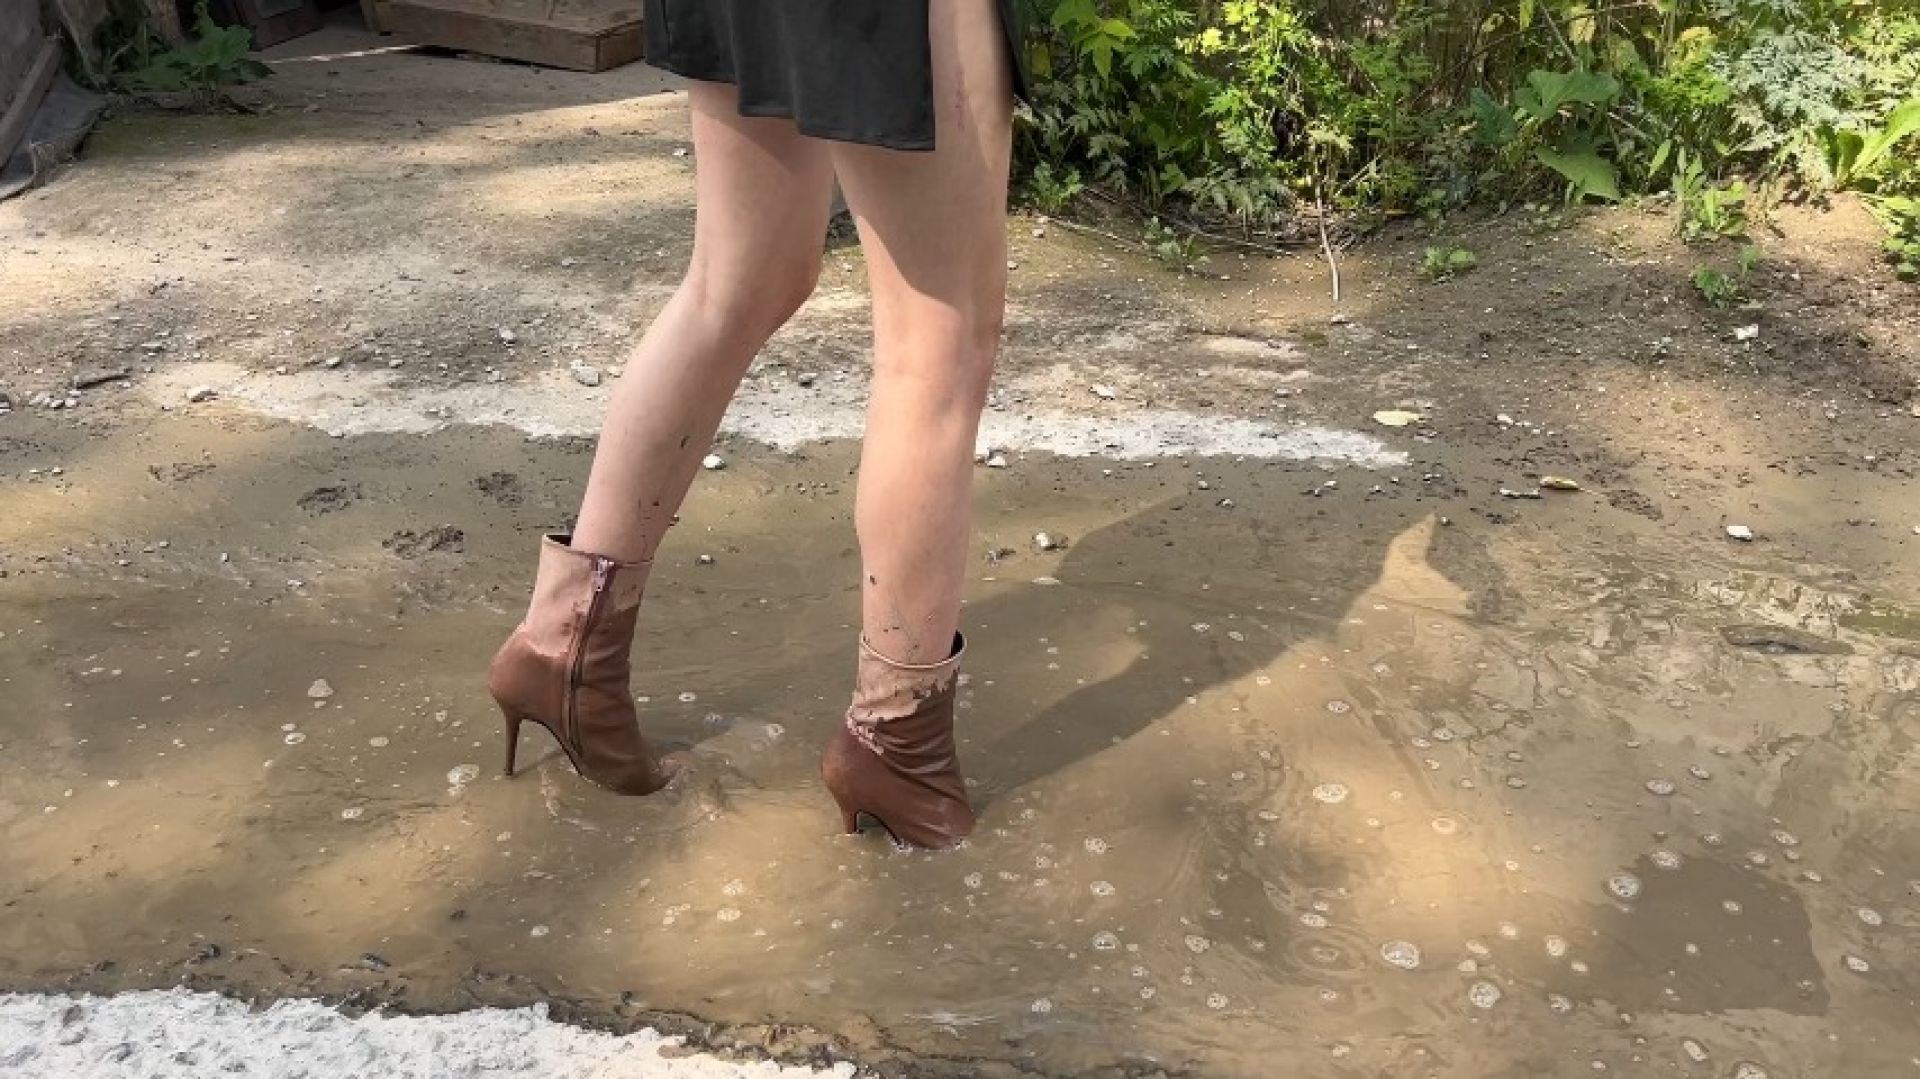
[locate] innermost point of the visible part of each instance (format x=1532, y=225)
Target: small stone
x=705, y=560
x=807, y=379
x=996, y=460
x=1740, y=532
x=586, y=375
x=507, y=337
x=201, y=393
x=1104, y=392
x=1047, y=542
x=713, y=462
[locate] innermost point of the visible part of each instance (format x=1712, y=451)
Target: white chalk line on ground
x=774, y=413
x=175, y=1032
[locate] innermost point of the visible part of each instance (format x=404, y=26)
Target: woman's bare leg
x=764, y=192
x=934, y=229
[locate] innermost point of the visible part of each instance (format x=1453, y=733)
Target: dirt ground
x=1310, y=752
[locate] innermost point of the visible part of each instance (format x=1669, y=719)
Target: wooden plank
x=26, y=100
x=582, y=38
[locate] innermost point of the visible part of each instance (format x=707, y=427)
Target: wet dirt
x=1237, y=766
x=1308, y=753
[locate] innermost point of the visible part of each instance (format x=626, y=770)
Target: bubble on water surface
x=1106, y=942
x=1665, y=859
x=1785, y=838
x=1483, y=994
x=1313, y=921
x=727, y=914
x=462, y=774
x=1869, y=916
x=1698, y=772
x=295, y=738
x=1661, y=787
x=1445, y=825
x=1558, y=1004
x=1197, y=943
x=1509, y=931
x=1330, y=793
x=973, y=880
x=538, y=931
x=1100, y=888
x=1400, y=953
x=1856, y=964
x=1216, y=1001
x=1731, y=906
x=1694, y=1050
x=378, y=741
x=1749, y=1070
x=1556, y=946
x=1623, y=885
x=352, y=813
x=1094, y=845
x=1339, y=707
x=1042, y=1006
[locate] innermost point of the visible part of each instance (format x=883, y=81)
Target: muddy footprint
x=503, y=487
x=323, y=500
x=445, y=539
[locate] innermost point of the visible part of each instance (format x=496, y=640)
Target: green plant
x=1722, y=289
x=1854, y=156
x=1238, y=110
x=137, y=61
x=1169, y=245
x=1442, y=262
x=1050, y=191
x=1901, y=217
x=1708, y=210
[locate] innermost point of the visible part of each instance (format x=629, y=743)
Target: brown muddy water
x=1296, y=785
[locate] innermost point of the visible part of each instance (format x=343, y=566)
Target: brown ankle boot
x=894, y=758
x=566, y=668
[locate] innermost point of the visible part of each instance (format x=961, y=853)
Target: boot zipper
x=602, y=572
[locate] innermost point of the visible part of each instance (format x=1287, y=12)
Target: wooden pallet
x=582, y=35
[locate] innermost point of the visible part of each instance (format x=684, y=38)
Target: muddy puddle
x=1272, y=783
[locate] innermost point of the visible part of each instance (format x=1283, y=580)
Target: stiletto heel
x=514, y=720
x=849, y=819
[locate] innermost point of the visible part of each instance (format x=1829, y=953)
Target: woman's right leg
x=764, y=194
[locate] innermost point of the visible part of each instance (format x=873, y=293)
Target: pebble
x=1104, y=392
x=201, y=393
x=1740, y=532
x=507, y=337
x=586, y=375
x=1046, y=541
x=713, y=462
x=996, y=460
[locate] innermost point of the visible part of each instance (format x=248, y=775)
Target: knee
x=753, y=303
